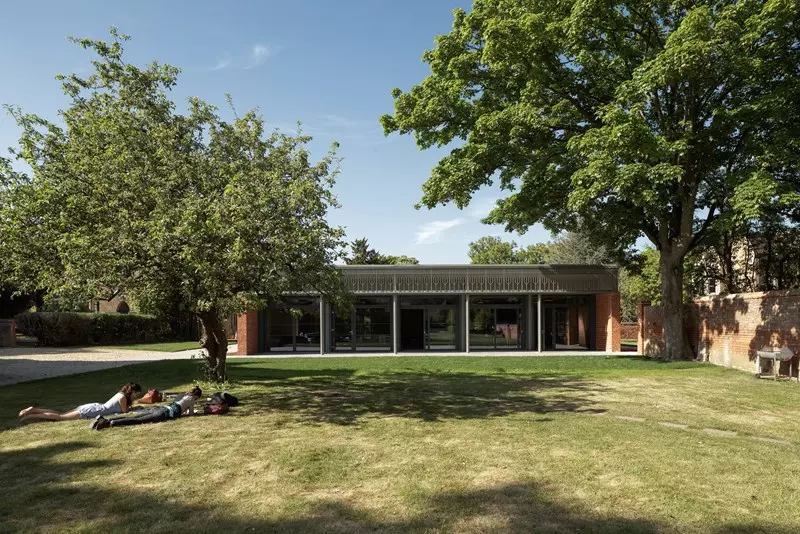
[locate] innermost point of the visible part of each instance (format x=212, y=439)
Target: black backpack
x=223, y=398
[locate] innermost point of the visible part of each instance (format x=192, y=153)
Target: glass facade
x=496, y=323
x=373, y=328
x=430, y=323
x=440, y=329
x=367, y=328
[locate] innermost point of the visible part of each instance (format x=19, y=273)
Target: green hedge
x=64, y=329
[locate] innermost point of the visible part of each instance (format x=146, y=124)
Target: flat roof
x=480, y=279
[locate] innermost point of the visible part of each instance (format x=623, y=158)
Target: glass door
x=373, y=329
x=440, y=329
x=507, y=328
x=495, y=328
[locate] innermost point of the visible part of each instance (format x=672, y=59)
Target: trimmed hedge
x=64, y=329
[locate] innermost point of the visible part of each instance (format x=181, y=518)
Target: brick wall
x=111, y=306
x=628, y=330
x=728, y=330
x=653, y=326
x=8, y=333
x=607, y=313
x=247, y=333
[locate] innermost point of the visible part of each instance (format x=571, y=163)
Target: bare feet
x=26, y=411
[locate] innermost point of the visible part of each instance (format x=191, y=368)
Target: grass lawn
x=421, y=444
x=630, y=342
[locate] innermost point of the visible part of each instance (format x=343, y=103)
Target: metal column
x=529, y=322
x=540, y=323
x=395, y=323
x=295, y=322
x=322, y=323
x=353, y=330
x=466, y=323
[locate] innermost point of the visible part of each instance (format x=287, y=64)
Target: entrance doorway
x=567, y=323
x=412, y=329
x=555, y=327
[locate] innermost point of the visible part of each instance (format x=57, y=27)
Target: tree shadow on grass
x=50, y=494
x=429, y=396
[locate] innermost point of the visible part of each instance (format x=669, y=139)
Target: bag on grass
x=215, y=409
x=152, y=396
x=223, y=398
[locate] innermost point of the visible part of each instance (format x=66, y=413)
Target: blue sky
x=330, y=65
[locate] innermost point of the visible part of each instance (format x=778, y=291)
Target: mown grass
x=425, y=444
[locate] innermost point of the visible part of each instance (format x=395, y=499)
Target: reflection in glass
x=481, y=328
x=495, y=327
x=341, y=337
x=373, y=329
x=307, y=335
x=440, y=331
x=279, y=329
x=507, y=331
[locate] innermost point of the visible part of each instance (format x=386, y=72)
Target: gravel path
x=24, y=364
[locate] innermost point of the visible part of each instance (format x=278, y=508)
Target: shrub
x=63, y=329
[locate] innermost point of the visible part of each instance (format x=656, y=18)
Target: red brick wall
x=607, y=313
x=247, y=333
x=727, y=330
x=653, y=327
x=628, y=330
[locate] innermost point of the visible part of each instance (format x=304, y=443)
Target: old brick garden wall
x=728, y=330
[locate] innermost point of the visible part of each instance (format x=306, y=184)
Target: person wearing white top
x=119, y=403
x=182, y=407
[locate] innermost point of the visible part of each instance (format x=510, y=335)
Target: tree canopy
x=493, y=250
x=128, y=193
x=638, y=118
x=362, y=254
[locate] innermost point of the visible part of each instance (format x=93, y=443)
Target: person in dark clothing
x=182, y=407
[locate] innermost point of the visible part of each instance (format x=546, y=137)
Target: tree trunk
x=675, y=336
x=215, y=341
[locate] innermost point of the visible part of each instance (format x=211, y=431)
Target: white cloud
x=433, y=231
x=257, y=56
x=260, y=54
x=222, y=64
x=482, y=208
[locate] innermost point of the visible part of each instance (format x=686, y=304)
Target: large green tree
x=362, y=254
x=493, y=250
x=631, y=118
x=128, y=193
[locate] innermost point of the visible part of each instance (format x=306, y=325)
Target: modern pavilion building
x=448, y=308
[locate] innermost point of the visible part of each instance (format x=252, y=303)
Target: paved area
x=33, y=363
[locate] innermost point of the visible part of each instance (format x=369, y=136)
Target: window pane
x=308, y=331
x=441, y=332
x=341, y=336
x=373, y=329
x=481, y=328
x=507, y=328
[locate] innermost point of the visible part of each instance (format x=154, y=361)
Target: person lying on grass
x=181, y=407
x=119, y=403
